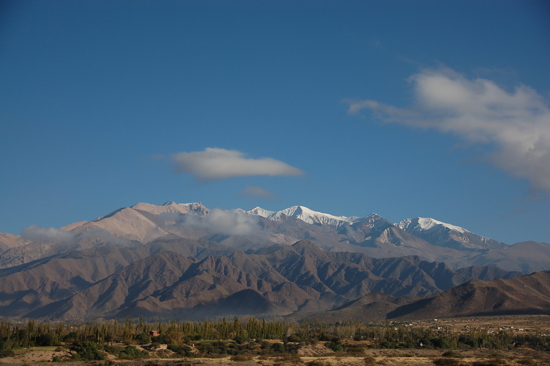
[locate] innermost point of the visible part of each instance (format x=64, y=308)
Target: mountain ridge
x=163, y=279
x=373, y=235
x=527, y=294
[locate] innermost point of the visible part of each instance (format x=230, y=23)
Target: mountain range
x=182, y=278
x=188, y=261
x=372, y=235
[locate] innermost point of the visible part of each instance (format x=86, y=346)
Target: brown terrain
x=529, y=294
x=185, y=261
x=189, y=279
x=415, y=357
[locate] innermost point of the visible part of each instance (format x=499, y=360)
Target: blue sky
x=427, y=108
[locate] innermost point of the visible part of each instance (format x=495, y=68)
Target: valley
x=476, y=341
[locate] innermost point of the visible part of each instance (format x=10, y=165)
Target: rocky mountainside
x=183, y=278
x=9, y=241
x=373, y=235
x=447, y=235
x=528, y=294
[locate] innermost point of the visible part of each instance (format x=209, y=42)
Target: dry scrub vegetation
x=481, y=341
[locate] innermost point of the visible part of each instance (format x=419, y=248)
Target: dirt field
x=371, y=357
x=523, y=324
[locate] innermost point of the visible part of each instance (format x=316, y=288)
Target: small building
x=154, y=333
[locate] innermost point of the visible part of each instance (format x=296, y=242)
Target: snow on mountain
x=139, y=222
x=447, y=235
x=303, y=213
x=371, y=234
x=433, y=231
x=194, y=207
x=426, y=224
x=300, y=212
x=260, y=212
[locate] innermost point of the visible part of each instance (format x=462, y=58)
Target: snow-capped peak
x=194, y=207
x=260, y=212
x=447, y=235
x=303, y=213
x=427, y=224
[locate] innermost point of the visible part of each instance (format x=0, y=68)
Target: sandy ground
x=32, y=356
x=413, y=357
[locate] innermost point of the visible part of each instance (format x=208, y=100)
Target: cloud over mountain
x=38, y=233
x=221, y=222
x=216, y=163
x=35, y=233
x=515, y=124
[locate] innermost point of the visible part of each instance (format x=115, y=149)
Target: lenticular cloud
x=215, y=163
x=516, y=124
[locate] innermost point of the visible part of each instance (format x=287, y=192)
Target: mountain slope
x=8, y=241
x=30, y=286
x=39, y=283
x=446, y=235
x=528, y=294
x=162, y=279
x=138, y=280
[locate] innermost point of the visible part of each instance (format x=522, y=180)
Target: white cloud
x=225, y=222
x=215, y=163
x=516, y=124
x=254, y=191
x=36, y=233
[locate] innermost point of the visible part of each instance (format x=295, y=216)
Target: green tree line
x=240, y=331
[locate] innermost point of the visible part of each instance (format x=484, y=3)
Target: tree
x=88, y=351
x=143, y=338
